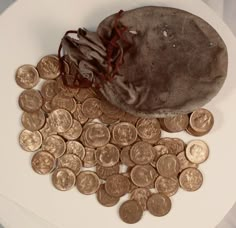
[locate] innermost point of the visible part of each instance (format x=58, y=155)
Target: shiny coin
x=74, y=132
x=89, y=160
x=141, y=195
x=167, y=186
x=79, y=115
x=91, y=108
x=158, y=151
x=105, y=172
x=75, y=147
x=174, y=145
x=49, y=89
x=125, y=156
x=184, y=162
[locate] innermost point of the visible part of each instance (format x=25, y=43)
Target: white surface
x=34, y=28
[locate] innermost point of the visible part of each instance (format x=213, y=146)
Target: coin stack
x=84, y=141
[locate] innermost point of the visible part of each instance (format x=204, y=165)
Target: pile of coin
x=84, y=141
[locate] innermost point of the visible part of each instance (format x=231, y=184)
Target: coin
x=106, y=119
x=48, y=67
x=49, y=89
x=190, y=131
x=141, y=195
x=30, y=140
x=65, y=90
x=75, y=147
x=184, y=162
x=130, y=212
x=127, y=117
x=168, y=165
x=30, y=100
x=63, y=179
x=105, y=172
x=85, y=93
x=125, y=156
x=174, y=145
x=27, y=76
x=47, y=106
x=117, y=185
x=167, y=186
x=159, y=204
x=158, y=151
x=110, y=110
x=91, y=108
x=89, y=158
x=141, y=153
x=79, y=115
x=43, y=162
x=33, y=121
x=191, y=179
x=197, y=151
x=132, y=186
x=47, y=130
x=70, y=161
x=143, y=175
x=87, y=182
x=55, y=145
x=73, y=132
x=104, y=198
x=124, y=133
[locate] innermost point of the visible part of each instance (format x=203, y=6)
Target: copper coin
x=184, y=162
x=30, y=100
x=168, y=165
x=30, y=140
x=110, y=110
x=70, y=161
x=130, y=212
x=48, y=67
x=141, y=195
x=125, y=156
x=74, y=131
x=55, y=145
x=105, y=172
x=65, y=90
x=124, y=133
x=47, y=106
x=104, y=198
x=107, y=155
x=158, y=151
x=191, y=179
x=27, y=76
x=43, y=162
x=159, y=204
x=63, y=179
x=49, y=89
x=89, y=160
x=117, y=185
x=106, y=119
x=33, y=121
x=87, y=182
x=79, y=115
x=174, y=145
x=85, y=93
x=132, y=186
x=47, y=130
x=197, y=151
x=167, y=186
x=141, y=153
x=190, y=131
x=75, y=147
x=143, y=175
x=127, y=117
x=91, y=108
x=177, y=123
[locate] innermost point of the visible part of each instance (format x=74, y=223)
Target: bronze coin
x=47, y=106
x=104, y=198
x=117, y=185
x=158, y=151
x=43, y=162
x=176, y=123
x=167, y=186
x=85, y=93
x=191, y=179
x=87, y=182
x=105, y=172
x=125, y=156
x=127, y=117
x=75, y=147
x=73, y=132
x=106, y=119
x=89, y=160
x=159, y=204
x=63, y=179
x=27, y=76
x=91, y=108
x=30, y=100
x=130, y=212
x=141, y=195
x=110, y=110
x=65, y=90
x=49, y=89
x=184, y=162
x=174, y=145
x=79, y=115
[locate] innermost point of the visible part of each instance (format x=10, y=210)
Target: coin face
x=63, y=179
x=159, y=204
x=141, y=153
x=130, y=212
x=87, y=182
x=197, y=151
x=74, y=131
x=91, y=108
x=55, y=145
x=49, y=89
x=141, y=195
x=33, y=121
x=30, y=140
x=191, y=179
x=107, y=155
x=30, y=100
x=43, y=162
x=184, y=162
x=125, y=156
x=117, y=185
x=27, y=76
x=174, y=145
x=79, y=115
x=176, y=124
x=167, y=186
x=168, y=165
x=105, y=172
x=124, y=133
x=159, y=150
x=89, y=160
x=104, y=198
x=75, y=147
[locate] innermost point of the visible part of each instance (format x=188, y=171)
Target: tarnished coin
x=49, y=89
x=91, y=108
x=174, y=145
x=167, y=186
x=111, y=110
x=89, y=160
x=70, y=161
x=184, y=162
x=30, y=100
x=141, y=195
x=130, y=212
x=127, y=117
x=85, y=93
x=74, y=131
x=105, y=172
x=117, y=185
x=75, y=147
x=168, y=165
x=159, y=204
x=55, y=145
x=141, y=153
x=132, y=186
x=48, y=67
x=158, y=151
x=104, y=198
x=30, y=140
x=191, y=179
x=124, y=133
x=107, y=155
x=63, y=179
x=65, y=90
x=79, y=115
x=87, y=182
x=143, y=175
x=197, y=151
x=47, y=130
x=125, y=156
x=106, y=119
x=43, y=162
x=27, y=76
x=47, y=106
x=33, y=121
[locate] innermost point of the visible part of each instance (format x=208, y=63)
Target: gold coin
x=49, y=89
x=167, y=186
x=184, y=162
x=73, y=132
x=89, y=160
x=141, y=195
x=75, y=147
x=91, y=108
x=79, y=115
